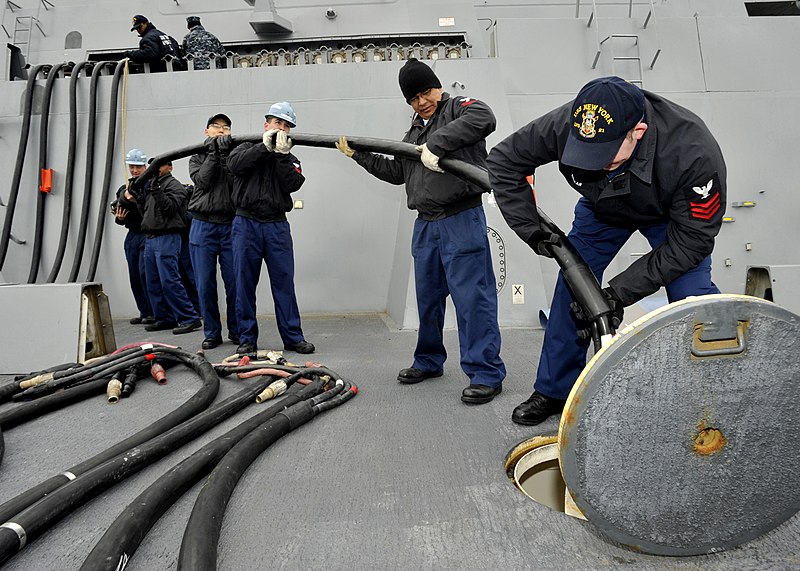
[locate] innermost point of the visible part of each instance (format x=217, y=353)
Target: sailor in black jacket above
x=153, y=46
x=640, y=162
x=450, y=246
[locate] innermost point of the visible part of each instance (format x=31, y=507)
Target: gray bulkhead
x=740, y=74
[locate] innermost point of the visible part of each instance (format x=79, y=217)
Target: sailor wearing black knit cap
x=449, y=244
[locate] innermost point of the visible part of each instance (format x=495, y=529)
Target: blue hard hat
x=283, y=110
x=136, y=157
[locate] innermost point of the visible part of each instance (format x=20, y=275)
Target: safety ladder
x=24, y=25
x=625, y=49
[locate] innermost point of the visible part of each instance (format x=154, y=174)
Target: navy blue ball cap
x=137, y=20
x=217, y=117
x=602, y=114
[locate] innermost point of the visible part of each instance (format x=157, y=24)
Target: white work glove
x=429, y=159
x=268, y=139
x=344, y=147
x=283, y=144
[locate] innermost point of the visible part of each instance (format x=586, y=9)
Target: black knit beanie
x=415, y=77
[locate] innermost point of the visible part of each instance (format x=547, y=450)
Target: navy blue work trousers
x=134, y=254
x=253, y=242
x=209, y=243
x=187, y=273
x=563, y=354
x=452, y=257
x=168, y=296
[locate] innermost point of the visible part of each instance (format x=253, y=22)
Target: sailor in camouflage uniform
x=201, y=44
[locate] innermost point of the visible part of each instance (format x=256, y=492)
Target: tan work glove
x=283, y=144
x=268, y=138
x=429, y=159
x=344, y=148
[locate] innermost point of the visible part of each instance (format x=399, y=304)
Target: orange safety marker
x=47, y=180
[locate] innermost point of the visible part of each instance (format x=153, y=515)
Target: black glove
x=584, y=326
x=211, y=145
x=539, y=241
x=154, y=186
x=224, y=144
x=617, y=308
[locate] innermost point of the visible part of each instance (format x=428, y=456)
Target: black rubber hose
x=80, y=239
x=200, y=540
x=63, y=376
x=125, y=535
x=70, y=173
x=102, y=212
x=41, y=196
x=84, y=375
x=198, y=402
x=577, y=274
x=53, y=507
x=25, y=129
x=28, y=411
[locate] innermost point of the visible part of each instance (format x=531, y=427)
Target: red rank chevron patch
x=706, y=209
x=467, y=101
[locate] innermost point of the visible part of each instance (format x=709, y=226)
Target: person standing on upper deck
x=201, y=44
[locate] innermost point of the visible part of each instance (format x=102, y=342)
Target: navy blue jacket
x=458, y=128
x=213, y=185
x=162, y=203
x=153, y=46
x=677, y=176
x=263, y=182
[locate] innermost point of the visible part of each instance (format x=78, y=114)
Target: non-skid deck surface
x=401, y=477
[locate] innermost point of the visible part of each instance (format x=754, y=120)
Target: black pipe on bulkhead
x=88, y=177
x=102, y=212
x=70, y=172
x=5, y=236
x=41, y=196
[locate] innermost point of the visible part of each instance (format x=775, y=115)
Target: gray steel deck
x=401, y=477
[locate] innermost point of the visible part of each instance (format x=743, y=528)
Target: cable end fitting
x=113, y=390
x=275, y=389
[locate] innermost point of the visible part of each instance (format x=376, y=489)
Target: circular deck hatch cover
x=682, y=436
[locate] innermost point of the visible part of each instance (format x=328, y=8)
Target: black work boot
x=303, y=347
x=413, y=375
x=247, y=349
x=536, y=409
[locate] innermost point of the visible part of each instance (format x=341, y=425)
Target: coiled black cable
x=200, y=540
x=49, y=509
x=198, y=402
x=126, y=533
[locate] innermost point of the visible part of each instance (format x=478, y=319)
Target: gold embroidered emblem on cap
x=587, y=129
